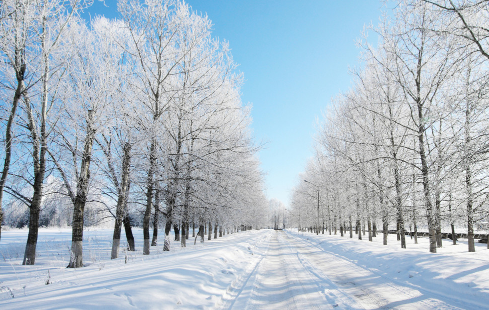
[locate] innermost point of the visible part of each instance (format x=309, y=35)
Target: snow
x=262, y=269
x=388, y=276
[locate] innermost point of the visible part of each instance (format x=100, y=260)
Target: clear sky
x=295, y=57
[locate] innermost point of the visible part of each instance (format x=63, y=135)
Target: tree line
x=138, y=118
x=407, y=145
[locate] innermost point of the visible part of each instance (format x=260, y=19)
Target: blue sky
x=295, y=57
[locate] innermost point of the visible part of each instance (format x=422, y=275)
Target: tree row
x=136, y=119
x=406, y=146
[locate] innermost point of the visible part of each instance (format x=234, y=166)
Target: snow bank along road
x=250, y=270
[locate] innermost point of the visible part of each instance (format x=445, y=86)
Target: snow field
x=196, y=277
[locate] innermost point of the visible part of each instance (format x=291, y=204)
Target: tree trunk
x=402, y=232
x=30, y=248
x=8, y=135
x=183, y=239
x=454, y=236
x=468, y=179
x=385, y=227
x=215, y=231
x=149, y=196
x=397, y=183
x=129, y=235
x=186, y=206
x=470, y=229
x=39, y=163
x=438, y=220
x=359, y=229
x=397, y=230
x=76, y=259
x=401, y=235
x=116, y=240
x=177, y=232
x=166, y=245
x=425, y=175
x=470, y=211
x=121, y=201
x=202, y=233
x=210, y=231
x=385, y=223
x=369, y=225
x=414, y=210
x=39, y=149
x=415, y=233
x=220, y=231
x=351, y=228
x=154, y=241
x=429, y=208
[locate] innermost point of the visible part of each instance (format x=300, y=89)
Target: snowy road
x=297, y=274
x=280, y=281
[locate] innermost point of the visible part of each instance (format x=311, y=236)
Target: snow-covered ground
x=362, y=274
x=263, y=269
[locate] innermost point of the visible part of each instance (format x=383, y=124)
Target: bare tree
x=53, y=19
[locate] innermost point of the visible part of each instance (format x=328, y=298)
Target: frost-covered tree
x=145, y=110
x=41, y=106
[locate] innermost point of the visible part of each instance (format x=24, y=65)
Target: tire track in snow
x=336, y=297
x=340, y=291
x=307, y=283
x=366, y=285
x=282, y=282
x=240, y=290
x=279, y=281
x=332, y=297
